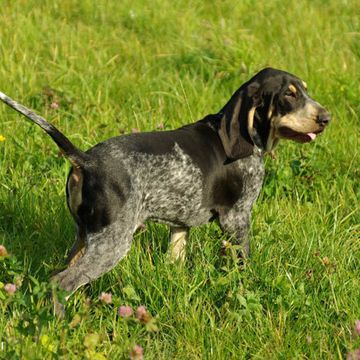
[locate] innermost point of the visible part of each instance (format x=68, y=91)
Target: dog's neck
x=248, y=145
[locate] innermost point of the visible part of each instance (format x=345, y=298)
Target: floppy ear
x=270, y=140
x=260, y=118
x=236, y=130
x=257, y=102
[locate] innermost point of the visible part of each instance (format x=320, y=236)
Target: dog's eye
x=291, y=94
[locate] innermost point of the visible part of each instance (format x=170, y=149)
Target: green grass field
x=122, y=65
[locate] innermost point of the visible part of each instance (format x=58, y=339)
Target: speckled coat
x=180, y=178
x=211, y=169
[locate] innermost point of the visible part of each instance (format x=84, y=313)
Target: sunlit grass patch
x=100, y=69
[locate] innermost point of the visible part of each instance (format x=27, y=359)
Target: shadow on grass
x=38, y=234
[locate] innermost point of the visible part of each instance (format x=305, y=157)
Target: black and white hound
x=211, y=169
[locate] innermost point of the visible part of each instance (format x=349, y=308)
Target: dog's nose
x=323, y=118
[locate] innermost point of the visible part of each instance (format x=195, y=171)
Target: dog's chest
x=237, y=184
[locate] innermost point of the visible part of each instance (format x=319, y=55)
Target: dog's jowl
x=210, y=169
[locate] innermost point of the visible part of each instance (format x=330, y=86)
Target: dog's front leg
x=236, y=226
x=177, y=243
x=235, y=221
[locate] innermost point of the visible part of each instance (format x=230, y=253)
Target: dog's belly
x=176, y=211
x=177, y=199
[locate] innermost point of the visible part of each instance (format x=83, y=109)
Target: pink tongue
x=312, y=136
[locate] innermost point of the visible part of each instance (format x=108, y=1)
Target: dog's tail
x=77, y=157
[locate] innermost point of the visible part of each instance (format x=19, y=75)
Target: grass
x=136, y=64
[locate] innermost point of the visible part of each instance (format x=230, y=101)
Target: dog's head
x=272, y=105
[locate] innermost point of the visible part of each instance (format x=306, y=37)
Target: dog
x=210, y=169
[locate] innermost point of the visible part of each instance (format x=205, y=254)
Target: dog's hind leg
x=78, y=249
x=103, y=251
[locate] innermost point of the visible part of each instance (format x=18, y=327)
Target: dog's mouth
x=291, y=134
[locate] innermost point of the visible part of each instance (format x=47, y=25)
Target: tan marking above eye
x=304, y=85
x=292, y=88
